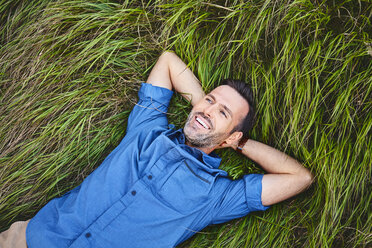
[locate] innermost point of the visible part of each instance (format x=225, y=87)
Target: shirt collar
x=212, y=160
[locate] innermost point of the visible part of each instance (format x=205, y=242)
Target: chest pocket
x=185, y=188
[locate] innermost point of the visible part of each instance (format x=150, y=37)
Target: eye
x=223, y=113
x=208, y=100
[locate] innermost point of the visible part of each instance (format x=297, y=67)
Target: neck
x=207, y=150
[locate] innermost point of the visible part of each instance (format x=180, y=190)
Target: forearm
x=271, y=159
x=172, y=73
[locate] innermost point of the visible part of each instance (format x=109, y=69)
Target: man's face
x=212, y=119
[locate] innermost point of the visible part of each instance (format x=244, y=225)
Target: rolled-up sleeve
x=151, y=108
x=237, y=198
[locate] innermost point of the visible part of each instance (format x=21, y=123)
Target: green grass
x=70, y=70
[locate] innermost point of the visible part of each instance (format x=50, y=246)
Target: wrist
x=241, y=145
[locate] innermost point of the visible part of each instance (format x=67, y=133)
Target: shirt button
x=149, y=177
x=88, y=235
x=134, y=192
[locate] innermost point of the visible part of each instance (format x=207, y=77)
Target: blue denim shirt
x=151, y=191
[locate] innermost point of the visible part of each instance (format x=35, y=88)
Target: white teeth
x=201, y=122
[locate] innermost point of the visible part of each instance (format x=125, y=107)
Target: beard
x=201, y=140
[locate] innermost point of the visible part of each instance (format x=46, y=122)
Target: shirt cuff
x=253, y=192
x=155, y=93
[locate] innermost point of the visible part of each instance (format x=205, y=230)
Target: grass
x=70, y=70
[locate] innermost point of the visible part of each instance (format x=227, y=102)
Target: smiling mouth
x=201, y=122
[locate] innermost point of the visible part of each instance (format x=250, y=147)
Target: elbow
x=308, y=178
x=167, y=53
x=168, y=57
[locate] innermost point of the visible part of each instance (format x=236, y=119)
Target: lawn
x=70, y=71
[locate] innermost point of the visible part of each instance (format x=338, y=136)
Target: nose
x=209, y=110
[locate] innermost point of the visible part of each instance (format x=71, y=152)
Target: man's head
x=222, y=117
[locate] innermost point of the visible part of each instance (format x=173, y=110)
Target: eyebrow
x=224, y=106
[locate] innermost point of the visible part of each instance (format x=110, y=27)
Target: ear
x=234, y=138
x=231, y=141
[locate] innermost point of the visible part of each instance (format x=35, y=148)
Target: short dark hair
x=246, y=92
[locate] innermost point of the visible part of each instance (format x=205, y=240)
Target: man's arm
x=172, y=73
x=286, y=178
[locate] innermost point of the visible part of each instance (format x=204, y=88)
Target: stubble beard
x=200, y=140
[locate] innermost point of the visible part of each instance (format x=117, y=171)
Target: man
x=160, y=185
